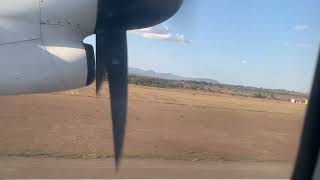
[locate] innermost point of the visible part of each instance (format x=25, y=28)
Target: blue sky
x=265, y=43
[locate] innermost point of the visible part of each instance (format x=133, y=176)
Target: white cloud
x=301, y=27
x=244, y=62
x=302, y=45
x=297, y=45
x=160, y=32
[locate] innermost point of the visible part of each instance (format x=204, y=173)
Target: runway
x=58, y=168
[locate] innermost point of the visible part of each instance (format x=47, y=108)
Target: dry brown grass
x=162, y=123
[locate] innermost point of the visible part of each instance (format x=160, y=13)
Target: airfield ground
x=164, y=125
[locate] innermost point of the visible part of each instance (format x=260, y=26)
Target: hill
x=168, y=76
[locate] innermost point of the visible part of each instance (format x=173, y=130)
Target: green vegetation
x=235, y=90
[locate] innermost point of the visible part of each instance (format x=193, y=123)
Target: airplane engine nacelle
x=41, y=48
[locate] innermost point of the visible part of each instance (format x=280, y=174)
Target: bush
x=259, y=95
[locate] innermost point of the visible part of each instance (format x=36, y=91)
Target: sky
x=261, y=43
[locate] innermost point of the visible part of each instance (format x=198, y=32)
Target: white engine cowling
x=41, y=47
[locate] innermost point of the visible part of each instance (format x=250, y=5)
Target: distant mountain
x=169, y=76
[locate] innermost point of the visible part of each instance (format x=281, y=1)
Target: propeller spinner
x=115, y=17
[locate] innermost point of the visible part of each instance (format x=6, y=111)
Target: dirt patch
x=162, y=123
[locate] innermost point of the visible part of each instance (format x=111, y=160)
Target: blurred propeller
x=115, y=17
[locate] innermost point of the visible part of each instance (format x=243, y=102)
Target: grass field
x=162, y=124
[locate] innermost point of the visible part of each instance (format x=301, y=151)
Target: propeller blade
x=115, y=61
x=117, y=67
x=115, y=17
x=101, y=60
